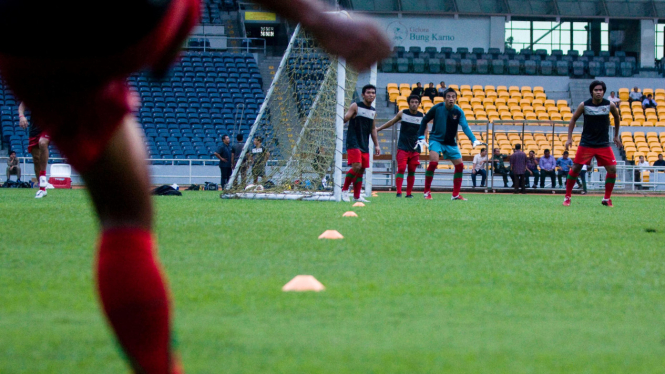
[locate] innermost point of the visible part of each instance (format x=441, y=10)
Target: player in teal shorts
x=442, y=140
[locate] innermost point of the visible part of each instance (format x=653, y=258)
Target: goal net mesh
x=296, y=127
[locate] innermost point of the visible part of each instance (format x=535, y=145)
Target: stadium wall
x=423, y=31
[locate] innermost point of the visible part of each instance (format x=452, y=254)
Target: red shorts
x=80, y=101
x=34, y=141
x=604, y=156
x=354, y=155
x=405, y=158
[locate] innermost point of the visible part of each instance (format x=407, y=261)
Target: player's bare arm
x=22, y=121
x=571, y=125
x=389, y=124
x=375, y=139
x=359, y=40
x=351, y=113
x=617, y=125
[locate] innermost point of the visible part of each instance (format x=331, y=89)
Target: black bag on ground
x=194, y=187
x=209, y=186
x=166, y=190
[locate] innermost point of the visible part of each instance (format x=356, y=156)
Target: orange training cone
x=350, y=214
x=331, y=234
x=303, y=283
x=358, y=204
x=374, y=194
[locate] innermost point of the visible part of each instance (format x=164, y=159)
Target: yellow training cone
x=303, y=283
x=350, y=214
x=358, y=204
x=331, y=234
x=374, y=194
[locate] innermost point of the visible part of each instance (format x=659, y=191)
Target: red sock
x=429, y=175
x=410, y=179
x=134, y=297
x=350, y=177
x=399, y=179
x=610, y=179
x=457, y=179
x=571, y=179
x=42, y=174
x=358, y=183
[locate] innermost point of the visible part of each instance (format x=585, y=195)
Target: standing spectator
x=259, y=158
x=224, y=156
x=442, y=88
x=236, y=150
x=660, y=162
x=635, y=95
x=531, y=169
x=430, y=91
x=13, y=168
x=642, y=166
x=582, y=178
x=649, y=102
x=479, y=162
x=499, y=168
x=547, y=164
x=518, y=166
x=614, y=99
x=563, y=163
x=418, y=91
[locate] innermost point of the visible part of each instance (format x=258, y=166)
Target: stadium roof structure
x=617, y=9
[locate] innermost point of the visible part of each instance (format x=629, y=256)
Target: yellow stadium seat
x=530, y=116
x=501, y=88
x=647, y=91
x=465, y=87
x=660, y=124
x=490, y=89
x=563, y=110
x=515, y=95
x=504, y=95
x=491, y=94
x=541, y=96
x=477, y=88
x=555, y=117
x=438, y=99
x=513, y=89
x=463, y=100
x=513, y=102
x=537, y=102
x=538, y=89
x=562, y=103
x=500, y=101
x=543, y=116
x=525, y=102
x=552, y=109
x=623, y=94
x=518, y=116
x=648, y=124
x=391, y=85
x=635, y=124
x=539, y=109
x=528, y=95
x=549, y=103
x=525, y=89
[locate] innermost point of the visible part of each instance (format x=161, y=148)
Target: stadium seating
x=491, y=103
x=477, y=61
x=184, y=116
x=211, y=10
x=637, y=144
x=632, y=115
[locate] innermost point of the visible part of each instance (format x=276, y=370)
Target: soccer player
x=408, y=152
x=595, y=140
x=38, y=142
x=360, y=117
x=258, y=159
x=78, y=93
x=442, y=140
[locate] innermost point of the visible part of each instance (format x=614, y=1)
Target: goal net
x=294, y=148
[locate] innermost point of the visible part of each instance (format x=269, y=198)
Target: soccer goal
x=294, y=148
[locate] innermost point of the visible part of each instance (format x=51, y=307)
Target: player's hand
x=422, y=143
x=23, y=122
x=617, y=141
x=569, y=142
x=377, y=150
x=477, y=143
x=359, y=40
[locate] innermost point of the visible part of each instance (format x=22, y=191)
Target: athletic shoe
x=361, y=200
x=399, y=195
x=607, y=202
x=428, y=196
x=566, y=201
x=49, y=186
x=458, y=197
x=40, y=194
x=408, y=196
x=345, y=196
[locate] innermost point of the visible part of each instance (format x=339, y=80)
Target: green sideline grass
x=496, y=284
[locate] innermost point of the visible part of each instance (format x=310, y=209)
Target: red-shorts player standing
x=595, y=140
x=408, y=152
x=37, y=145
x=360, y=116
x=71, y=72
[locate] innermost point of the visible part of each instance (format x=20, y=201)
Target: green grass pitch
x=496, y=284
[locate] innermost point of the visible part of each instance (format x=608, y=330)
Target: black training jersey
x=408, y=133
x=595, y=133
x=259, y=156
x=360, y=128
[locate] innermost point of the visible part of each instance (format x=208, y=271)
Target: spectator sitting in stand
x=531, y=170
x=418, y=91
x=479, y=162
x=564, y=164
x=547, y=164
x=430, y=91
x=442, y=88
x=499, y=168
x=660, y=162
x=649, y=102
x=635, y=95
x=642, y=166
x=614, y=99
x=13, y=168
